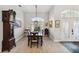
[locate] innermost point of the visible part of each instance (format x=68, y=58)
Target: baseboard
x=66, y=40
x=20, y=37
x=51, y=37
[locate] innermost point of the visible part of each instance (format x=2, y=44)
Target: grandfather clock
x=8, y=18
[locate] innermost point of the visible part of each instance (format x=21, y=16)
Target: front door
x=75, y=29
x=70, y=29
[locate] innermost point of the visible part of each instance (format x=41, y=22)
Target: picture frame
x=57, y=23
x=46, y=24
x=50, y=23
x=17, y=24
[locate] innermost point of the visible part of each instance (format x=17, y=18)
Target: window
x=37, y=24
x=70, y=14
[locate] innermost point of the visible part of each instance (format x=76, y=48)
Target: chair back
x=34, y=37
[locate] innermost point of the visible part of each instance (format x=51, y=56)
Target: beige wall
x=18, y=32
x=1, y=34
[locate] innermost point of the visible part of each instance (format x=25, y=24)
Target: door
x=76, y=29
x=65, y=29
x=70, y=24
x=70, y=29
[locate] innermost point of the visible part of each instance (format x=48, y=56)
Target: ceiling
x=28, y=8
x=40, y=8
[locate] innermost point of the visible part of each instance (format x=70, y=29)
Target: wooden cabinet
x=8, y=32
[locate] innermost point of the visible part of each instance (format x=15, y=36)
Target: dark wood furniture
x=46, y=32
x=37, y=37
x=8, y=30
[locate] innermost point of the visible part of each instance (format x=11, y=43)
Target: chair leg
x=37, y=44
x=41, y=42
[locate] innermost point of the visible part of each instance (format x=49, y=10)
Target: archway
x=70, y=24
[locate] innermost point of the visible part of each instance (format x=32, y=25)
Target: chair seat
x=34, y=40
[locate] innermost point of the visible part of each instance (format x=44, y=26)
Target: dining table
x=39, y=36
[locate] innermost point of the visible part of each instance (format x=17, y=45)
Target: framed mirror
x=57, y=23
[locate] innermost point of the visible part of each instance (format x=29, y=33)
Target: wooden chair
x=34, y=39
x=46, y=32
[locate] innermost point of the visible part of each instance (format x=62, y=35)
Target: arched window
x=70, y=14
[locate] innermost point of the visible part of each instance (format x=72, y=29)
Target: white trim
x=62, y=39
x=20, y=37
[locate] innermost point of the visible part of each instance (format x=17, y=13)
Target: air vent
x=20, y=5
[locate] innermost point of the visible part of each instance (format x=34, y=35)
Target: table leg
x=28, y=42
x=41, y=41
x=31, y=44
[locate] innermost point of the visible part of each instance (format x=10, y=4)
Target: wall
x=54, y=14
x=18, y=33
x=1, y=32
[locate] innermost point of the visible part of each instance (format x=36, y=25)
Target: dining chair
x=34, y=40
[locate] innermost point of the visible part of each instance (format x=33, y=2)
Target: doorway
x=70, y=24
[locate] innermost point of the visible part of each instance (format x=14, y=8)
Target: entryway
x=70, y=25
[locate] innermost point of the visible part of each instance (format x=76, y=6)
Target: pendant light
x=36, y=9
x=36, y=13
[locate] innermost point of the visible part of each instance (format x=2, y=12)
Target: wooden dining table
x=39, y=36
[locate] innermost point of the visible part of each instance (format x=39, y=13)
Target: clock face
x=11, y=18
x=12, y=15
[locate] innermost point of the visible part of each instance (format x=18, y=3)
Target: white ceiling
x=40, y=8
x=29, y=8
